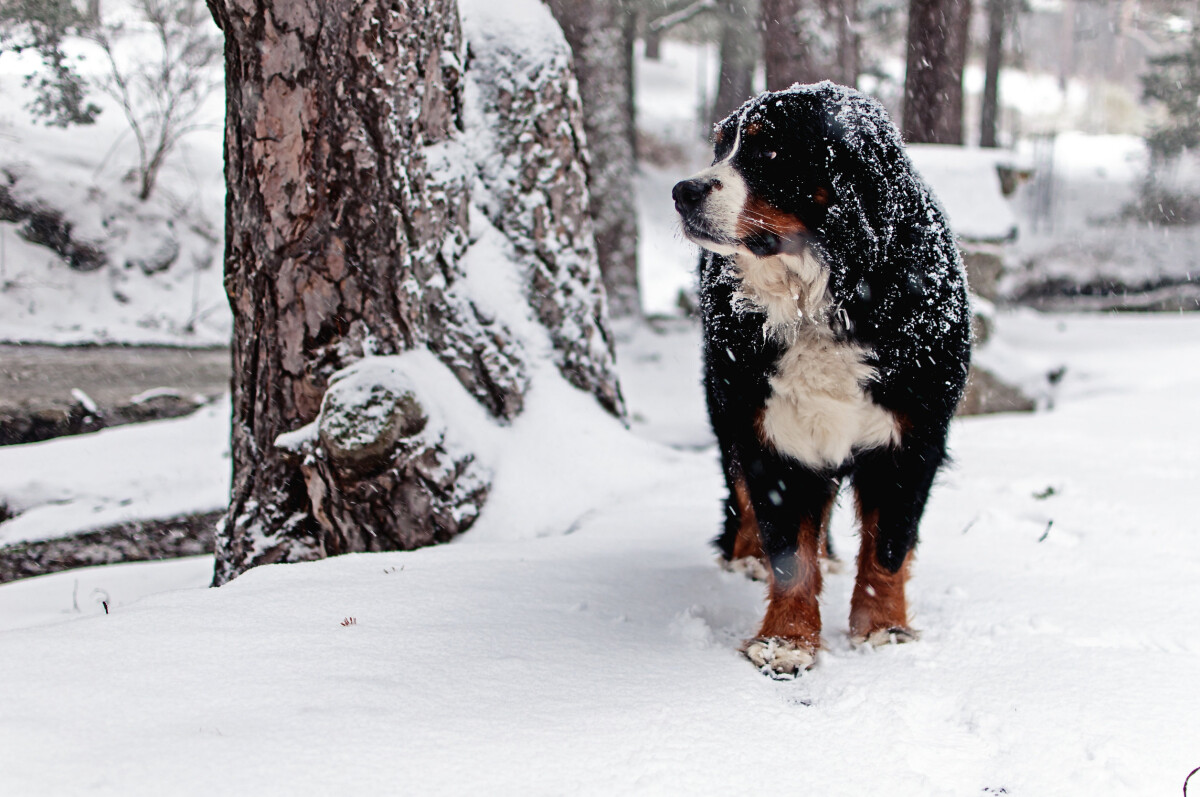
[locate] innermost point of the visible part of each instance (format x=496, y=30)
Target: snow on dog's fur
x=836, y=347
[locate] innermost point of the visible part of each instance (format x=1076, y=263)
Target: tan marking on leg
x=878, y=607
x=793, y=611
x=790, y=636
x=747, y=542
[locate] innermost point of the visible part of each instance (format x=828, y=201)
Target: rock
x=987, y=393
x=359, y=428
x=154, y=255
x=985, y=264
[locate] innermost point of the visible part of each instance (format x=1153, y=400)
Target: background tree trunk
x=937, y=53
x=849, y=41
x=787, y=52
x=804, y=41
x=348, y=199
x=739, y=56
x=653, y=40
x=989, y=113
x=601, y=34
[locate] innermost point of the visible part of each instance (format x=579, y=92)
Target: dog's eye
x=767, y=154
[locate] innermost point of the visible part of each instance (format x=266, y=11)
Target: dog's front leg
x=891, y=487
x=790, y=502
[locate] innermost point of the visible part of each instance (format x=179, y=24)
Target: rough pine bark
x=937, y=52
x=347, y=220
x=788, y=56
x=601, y=34
x=529, y=147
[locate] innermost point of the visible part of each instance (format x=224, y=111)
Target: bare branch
x=161, y=94
x=682, y=15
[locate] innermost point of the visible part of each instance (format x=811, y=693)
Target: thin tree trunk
x=989, y=115
x=937, y=52
x=653, y=40
x=1066, y=44
x=601, y=34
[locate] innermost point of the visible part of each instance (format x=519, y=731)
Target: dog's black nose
x=689, y=193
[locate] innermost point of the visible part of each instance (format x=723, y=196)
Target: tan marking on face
x=758, y=216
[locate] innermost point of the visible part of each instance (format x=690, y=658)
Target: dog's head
x=795, y=167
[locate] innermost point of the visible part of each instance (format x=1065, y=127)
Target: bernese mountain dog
x=836, y=347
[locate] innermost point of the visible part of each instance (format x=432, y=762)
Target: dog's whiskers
x=762, y=223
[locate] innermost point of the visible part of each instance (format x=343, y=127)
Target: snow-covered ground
x=146, y=471
x=594, y=650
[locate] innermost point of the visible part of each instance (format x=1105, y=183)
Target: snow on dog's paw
x=779, y=657
x=896, y=635
x=749, y=566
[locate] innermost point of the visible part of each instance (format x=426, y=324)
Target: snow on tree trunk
x=533, y=187
x=937, y=52
x=348, y=234
x=601, y=35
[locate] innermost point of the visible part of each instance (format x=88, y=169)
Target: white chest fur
x=819, y=411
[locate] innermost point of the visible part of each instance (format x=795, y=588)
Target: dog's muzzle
x=692, y=203
x=690, y=194
x=690, y=197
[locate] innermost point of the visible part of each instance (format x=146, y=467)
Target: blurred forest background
x=1012, y=74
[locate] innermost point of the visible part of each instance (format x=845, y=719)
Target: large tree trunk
x=937, y=52
x=348, y=200
x=739, y=57
x=805, y=41
x=601, y=34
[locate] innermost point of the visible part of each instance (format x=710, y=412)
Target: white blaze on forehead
x=737, y=142
x=723, y=206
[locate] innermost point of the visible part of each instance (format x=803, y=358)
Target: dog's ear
x=873, y=179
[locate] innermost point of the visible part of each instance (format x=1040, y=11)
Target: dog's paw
x=749, y=566
x=780, y=657
x=896, y=635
